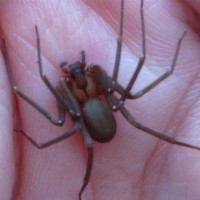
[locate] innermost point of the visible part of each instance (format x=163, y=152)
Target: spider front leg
x=119, y=47
x=47, y=82
x=53, y=119
x=109, y=85
x=140, y=93
x=126, y=91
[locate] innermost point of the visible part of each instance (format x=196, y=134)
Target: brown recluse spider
x=77, y=94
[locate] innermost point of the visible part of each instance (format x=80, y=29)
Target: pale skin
x=134, y=165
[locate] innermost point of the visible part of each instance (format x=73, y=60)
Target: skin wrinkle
x=184, y=117
x=168, y=127
x=159, y=143
x=191, y=94
x=17, y=53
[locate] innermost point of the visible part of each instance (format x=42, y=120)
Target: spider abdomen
x=99, y=120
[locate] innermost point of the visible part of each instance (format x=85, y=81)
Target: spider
x=78, y=94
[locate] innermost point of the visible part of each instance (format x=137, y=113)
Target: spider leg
x=88, y=142
x=138, y=125
x=140, y=93
x=74, y=105
x=46, y=81
x=50, y=142
x=53, y=119
x=119, y=46
x=109, y=84
x=111, y=99
x=126, y=91
x=42, y=75
x=86, y=135
x=69, y=97
x=88, y=169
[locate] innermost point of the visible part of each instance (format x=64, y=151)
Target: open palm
x=134, y=165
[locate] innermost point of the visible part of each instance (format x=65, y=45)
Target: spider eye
x=77, y=71
x=78, y=74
